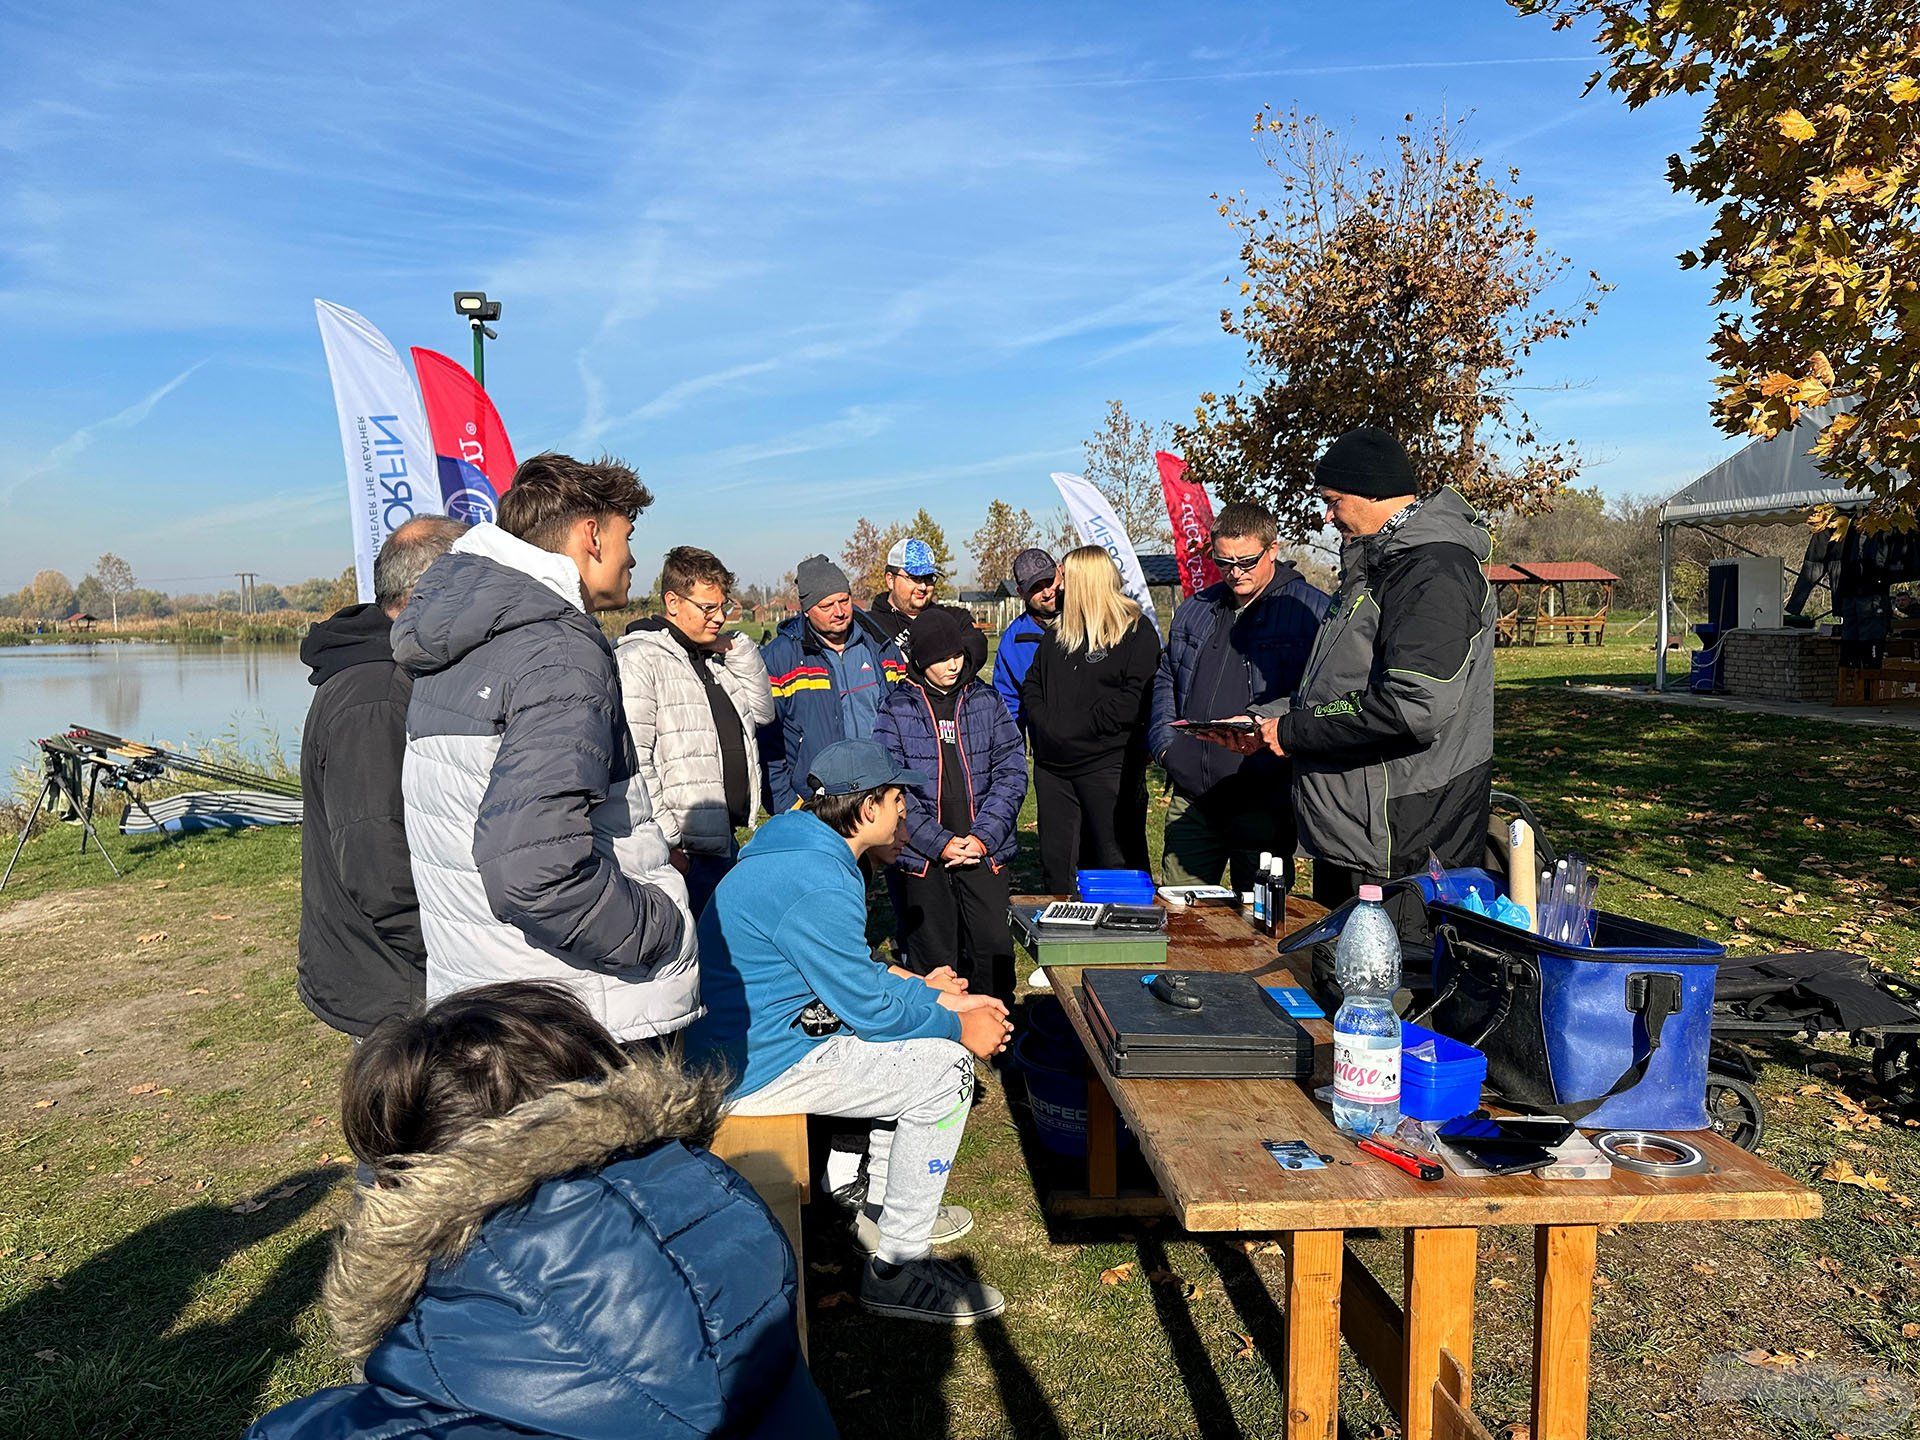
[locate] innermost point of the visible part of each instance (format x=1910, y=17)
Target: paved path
x=1893, y=717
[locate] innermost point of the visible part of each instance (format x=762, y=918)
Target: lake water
x=174, y=695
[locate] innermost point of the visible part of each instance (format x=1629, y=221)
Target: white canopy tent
x=1769, y=480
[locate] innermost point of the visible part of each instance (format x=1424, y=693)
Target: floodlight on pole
x=476, y=309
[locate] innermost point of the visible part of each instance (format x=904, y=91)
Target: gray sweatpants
x=924, y=1086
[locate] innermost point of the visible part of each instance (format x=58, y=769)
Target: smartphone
x=1512, y=1132
x=1498, y=1157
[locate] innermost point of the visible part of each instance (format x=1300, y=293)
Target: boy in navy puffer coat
x=952, y=880
x=548, y=1249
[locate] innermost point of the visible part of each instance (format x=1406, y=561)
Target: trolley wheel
x=1734, y=1110
x=1894, y=1065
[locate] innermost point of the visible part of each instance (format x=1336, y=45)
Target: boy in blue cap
x=805, y=1021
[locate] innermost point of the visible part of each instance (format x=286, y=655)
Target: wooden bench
x=770, y=1152
x=1590, y=629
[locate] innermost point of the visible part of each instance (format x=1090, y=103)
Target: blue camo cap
x=848, y=767
x=912, y=556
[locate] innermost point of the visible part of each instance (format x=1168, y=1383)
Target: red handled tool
x=1412, y=1164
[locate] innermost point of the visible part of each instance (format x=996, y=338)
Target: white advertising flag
x=391, y=474
x=1093, y=517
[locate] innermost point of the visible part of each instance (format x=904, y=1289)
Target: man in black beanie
x=1391, y=734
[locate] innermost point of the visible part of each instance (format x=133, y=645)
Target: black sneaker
x=931, y=1290
x=852, y=1195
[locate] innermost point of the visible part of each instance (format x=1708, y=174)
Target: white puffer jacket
x=673, y=734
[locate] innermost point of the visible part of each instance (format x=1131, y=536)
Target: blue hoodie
x=787, y=927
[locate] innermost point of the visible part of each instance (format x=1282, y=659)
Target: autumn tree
x=929, y=530
x=51, y=595
x=1404, y=292
x=1003, y=535
x=115, y=578
x=865, y=557
x=1809, y=152
x=1120, y=463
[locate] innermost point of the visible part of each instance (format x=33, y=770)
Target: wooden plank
x=1563, y=1258
x=770, y=1153
x=1202, y=1139
x=1452, y=1420
x=1374, y=1328
x=1103, y=1139
x=1439, y=1316
x=1313, y=1333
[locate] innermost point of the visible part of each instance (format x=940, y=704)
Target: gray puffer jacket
x=1391, y=730
x=534, y=850
x=673, y=730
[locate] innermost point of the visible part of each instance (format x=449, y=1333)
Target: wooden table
x=1202, y=1140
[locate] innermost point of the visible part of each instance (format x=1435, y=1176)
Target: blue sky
x=799, y=264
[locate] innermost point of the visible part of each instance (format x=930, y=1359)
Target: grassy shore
x=170, y=1162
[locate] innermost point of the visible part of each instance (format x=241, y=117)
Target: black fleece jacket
x=361, y=955
x=1088, y=710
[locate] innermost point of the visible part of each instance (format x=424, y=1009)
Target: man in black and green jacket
x=1391, y=729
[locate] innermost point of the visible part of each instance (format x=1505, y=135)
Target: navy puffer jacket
x=579, y=1268
x=991, y=753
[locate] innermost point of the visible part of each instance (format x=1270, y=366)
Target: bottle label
x=1366, y=1068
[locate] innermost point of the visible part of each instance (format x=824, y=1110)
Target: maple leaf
x=1841, y=1172
x=1117, y=1274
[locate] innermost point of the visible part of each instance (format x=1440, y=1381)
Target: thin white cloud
x=70, y=449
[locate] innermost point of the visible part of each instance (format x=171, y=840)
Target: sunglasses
x=1228, y=564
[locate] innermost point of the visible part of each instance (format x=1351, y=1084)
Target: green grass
x=137, y=1301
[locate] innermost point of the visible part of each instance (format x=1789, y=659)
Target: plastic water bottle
x=1366, y=1031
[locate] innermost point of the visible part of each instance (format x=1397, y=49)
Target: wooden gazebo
x=1552, y=615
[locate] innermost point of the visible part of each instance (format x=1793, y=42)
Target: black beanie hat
x=1367, y=462
x=936, y=634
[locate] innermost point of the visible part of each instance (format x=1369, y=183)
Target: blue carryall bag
x=1612, y=1035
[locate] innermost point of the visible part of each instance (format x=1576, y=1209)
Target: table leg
x=1563, y=1259
x=1313, y=1333
x=1103, y=1141
x=1438, y=1311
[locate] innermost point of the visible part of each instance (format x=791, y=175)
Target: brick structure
x=1792, y=665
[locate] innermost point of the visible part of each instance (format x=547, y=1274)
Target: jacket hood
x=798, y=832
x=433, y=1205
x=1443, y=518
x=489, y=583
x=357, y=635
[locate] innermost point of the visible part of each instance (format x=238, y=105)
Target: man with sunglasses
x=696, y=694
x=1231, y=646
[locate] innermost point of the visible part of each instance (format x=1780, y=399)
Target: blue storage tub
x=1444, y=1088
x=1114, y=887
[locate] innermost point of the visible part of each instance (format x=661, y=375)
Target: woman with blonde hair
x=1086, y=703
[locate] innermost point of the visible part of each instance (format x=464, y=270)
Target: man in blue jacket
x=828, y=667
x=805, y=1021
x=1036, y=575
x=1231, y=646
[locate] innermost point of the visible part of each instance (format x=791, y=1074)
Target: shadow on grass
x=101, y=1355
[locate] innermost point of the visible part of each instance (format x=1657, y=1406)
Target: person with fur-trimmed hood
x=548, y=1249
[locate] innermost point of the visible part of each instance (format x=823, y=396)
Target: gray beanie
x=818, y=577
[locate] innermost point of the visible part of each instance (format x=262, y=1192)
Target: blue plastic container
x=1056, y=1081
x=1445, y=1087
x=1114, y=887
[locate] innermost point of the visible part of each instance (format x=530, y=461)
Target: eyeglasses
x=1229, y=564
x=725, y=609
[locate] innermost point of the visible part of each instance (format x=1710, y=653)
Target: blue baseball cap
x=912, y=556
x=848, y=767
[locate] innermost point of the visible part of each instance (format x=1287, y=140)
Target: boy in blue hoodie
x=805, y=1021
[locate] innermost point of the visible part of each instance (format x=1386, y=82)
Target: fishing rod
x=192, y=765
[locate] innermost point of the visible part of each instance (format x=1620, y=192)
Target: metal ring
x=1644, y=1152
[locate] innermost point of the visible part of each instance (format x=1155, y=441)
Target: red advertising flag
x=1191, y=514
x=475, y=457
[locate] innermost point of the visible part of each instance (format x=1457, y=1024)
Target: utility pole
x=246, y=579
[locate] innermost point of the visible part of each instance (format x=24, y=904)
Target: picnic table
x=1202, y=1139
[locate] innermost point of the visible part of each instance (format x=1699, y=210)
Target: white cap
x=1371, y=892
x=1266, y=858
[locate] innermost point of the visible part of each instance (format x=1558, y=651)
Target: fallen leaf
x=150, y=938
x=136, y=1162
x=1841, y=1172
x=1161, y=1276
x=1497, y=1283
x=1117, y=1274
x=146, y=1087
x=1700, y=1267
x=1910, y=1331
x=835, y=1300
x=856, y=1394
x=823, y=1267
x=47, y=1355
x=247, y=1207
x=219, y=917
x=1245, y=1350
x=198, y=990
x=45, y=1104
